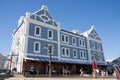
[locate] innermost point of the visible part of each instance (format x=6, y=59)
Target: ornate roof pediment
x=43, y=15
x=92, y=34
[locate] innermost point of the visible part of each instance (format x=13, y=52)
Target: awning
x=43, y=59
x=46, y=59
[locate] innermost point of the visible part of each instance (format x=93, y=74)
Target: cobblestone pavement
x=61, y=78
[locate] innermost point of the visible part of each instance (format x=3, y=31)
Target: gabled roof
x=91, y=33
x=43, y=15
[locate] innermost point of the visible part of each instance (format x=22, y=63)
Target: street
x=20, y=77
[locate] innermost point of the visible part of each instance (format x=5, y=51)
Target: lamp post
x=49, y=50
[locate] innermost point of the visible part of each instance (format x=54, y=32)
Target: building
x=2, y=61
x=39, y=40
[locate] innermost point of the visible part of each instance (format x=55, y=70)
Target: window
x=65, y=52
x=98, y=46
x=92, y=45
x=74, y=53
x=37, y=31
x=74, y=41
x=83, y=55
x=36, y=47
x=50, y=34
x=65, y=38
x=81, y=42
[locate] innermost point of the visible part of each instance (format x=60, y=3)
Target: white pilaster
x=89, y=51
x=59, y=44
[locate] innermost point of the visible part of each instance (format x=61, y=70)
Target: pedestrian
x=81, y=71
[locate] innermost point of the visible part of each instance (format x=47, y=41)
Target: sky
x=72, y=14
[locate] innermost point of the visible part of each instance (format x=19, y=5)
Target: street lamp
x=49, y=50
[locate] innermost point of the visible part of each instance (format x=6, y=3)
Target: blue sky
x=72, y=14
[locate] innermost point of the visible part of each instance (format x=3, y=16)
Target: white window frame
x=98, y=46
x=35, y=51
x=93, y=45
x=62, y=51
x=84, y=55
x=82, y=43
x=65, y=55
x=74, y=53
x=51, y=34
x=73, y=38
x=64, y=36
x=36, y=30
x=68, y=52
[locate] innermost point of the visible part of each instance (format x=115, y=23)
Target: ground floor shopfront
x=42, y=67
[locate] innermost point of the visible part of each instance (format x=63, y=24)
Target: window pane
x=84, y=54
x=81, y=54
x=36, y=47
x=62, y=37
x=80, y=42
x=66, y=38
x=50, y=33
x=63, y=51
x=67, y=52
x=37, y=30
x=74, y=41
x=75, y=53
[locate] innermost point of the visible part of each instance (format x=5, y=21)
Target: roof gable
x=92, y=34
x=43, y=15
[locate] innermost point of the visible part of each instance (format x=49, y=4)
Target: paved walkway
x=75, y=77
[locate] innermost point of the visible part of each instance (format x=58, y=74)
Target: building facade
x=38, y=31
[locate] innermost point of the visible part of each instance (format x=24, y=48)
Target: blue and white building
x=69, y=49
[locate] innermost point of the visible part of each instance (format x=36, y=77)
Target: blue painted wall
x=43, y=51
x=44, y=32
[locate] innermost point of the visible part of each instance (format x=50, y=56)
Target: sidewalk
x=70, y=77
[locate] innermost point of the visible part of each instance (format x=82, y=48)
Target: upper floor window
x=81, y=42
x=93, y=45
x=37, y=47
x=83, y=55
x=37, y=31
x=65, y=52
x=74, y=53
x=98, y=46
x=65, y=38
x=50, y=34
x=73, y=40
x=62, y=38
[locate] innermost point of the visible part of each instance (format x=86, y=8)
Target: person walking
x=81, y=71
